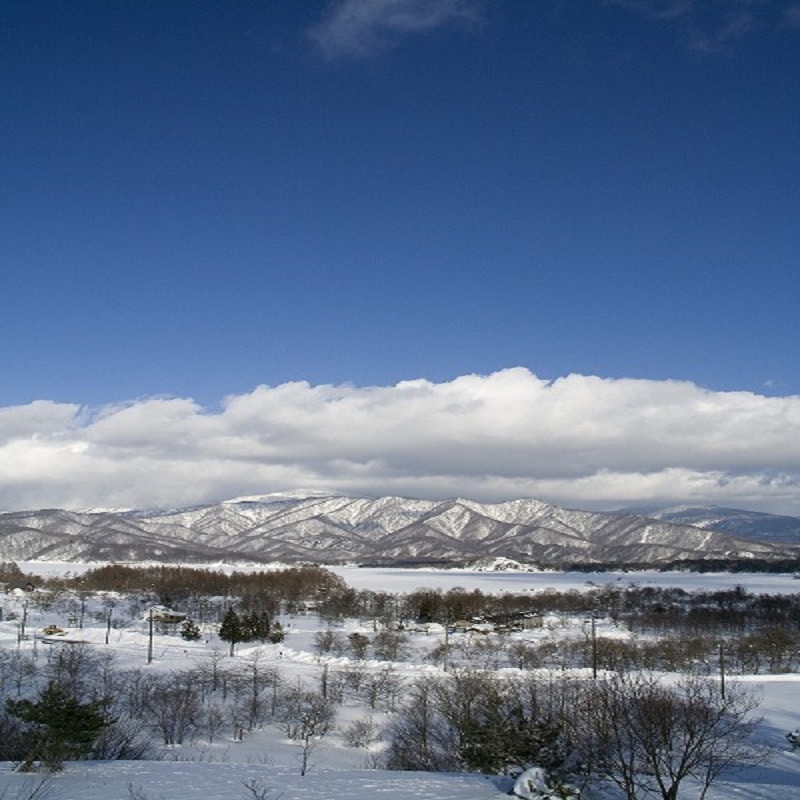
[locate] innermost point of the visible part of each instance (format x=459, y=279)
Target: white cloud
x=580, y=440
x=40, y=418
x=709, y=26
x=359, y=28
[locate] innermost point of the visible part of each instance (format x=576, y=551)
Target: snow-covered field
x=404, y=580
x=150, y=780
x=265, y=765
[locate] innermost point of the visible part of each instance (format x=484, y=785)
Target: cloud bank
x=361, y=28
x=580, y=441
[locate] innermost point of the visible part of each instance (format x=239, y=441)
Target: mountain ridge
x=334, y=528
x=759, y=525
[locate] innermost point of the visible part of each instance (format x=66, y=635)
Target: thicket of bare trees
x=648, y=737
x=643, y=735
x=139, y=709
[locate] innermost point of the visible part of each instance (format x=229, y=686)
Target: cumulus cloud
x=580, y=441
x=360, y=28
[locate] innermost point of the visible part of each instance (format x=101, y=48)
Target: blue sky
x=202, y=198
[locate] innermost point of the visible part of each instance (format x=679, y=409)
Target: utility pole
x=324, y=681
x=593, y=642
x=23, y=621
x=150, y=639
x=108, y=625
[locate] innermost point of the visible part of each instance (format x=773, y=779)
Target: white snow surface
x=268, y=763
x=126, y=780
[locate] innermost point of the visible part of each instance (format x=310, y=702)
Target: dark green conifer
x=231, y=629
x=189, y=631
x=61, y=727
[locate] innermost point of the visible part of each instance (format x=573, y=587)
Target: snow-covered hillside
x=734, y=521
x=264, y=765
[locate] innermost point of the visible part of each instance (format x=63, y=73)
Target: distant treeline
x=738, y=565
x=726, y=612
x=759, y=565
x=173, y=585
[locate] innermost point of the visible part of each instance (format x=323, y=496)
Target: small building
x=20, y=589
x=472, y=626
x=166, y=616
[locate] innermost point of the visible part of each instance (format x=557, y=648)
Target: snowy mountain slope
x=58, y=535
x=737, y=522
x=335, y=529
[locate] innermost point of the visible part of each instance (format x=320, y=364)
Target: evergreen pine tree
x=189, y=631
x=263, y=627
x=61, y=727
x=250, y=627
x=231, y=629
x=276, y=633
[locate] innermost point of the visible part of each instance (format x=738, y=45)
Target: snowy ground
x=140, y=780
x=405, y=580
x=265, y=765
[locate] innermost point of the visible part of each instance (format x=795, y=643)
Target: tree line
x=674, y=629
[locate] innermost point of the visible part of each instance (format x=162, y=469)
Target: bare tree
x=214, y=673
x=419, y=736
x=74, y=668
x=361, y=732
x=380, y=687
x=213, y=720
x=522, y=655
x=329, y=641
x=480, y=651
x=353, y=677
x=258, y=791
x=390, y=645
x=359, y=644
x=173, y=707
x=254, y=680
x=306, y=717
x=17, y=669
x=124, y=738
x=647, y=737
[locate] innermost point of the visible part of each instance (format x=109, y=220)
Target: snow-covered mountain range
x=735, y=521
x=324, y=528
